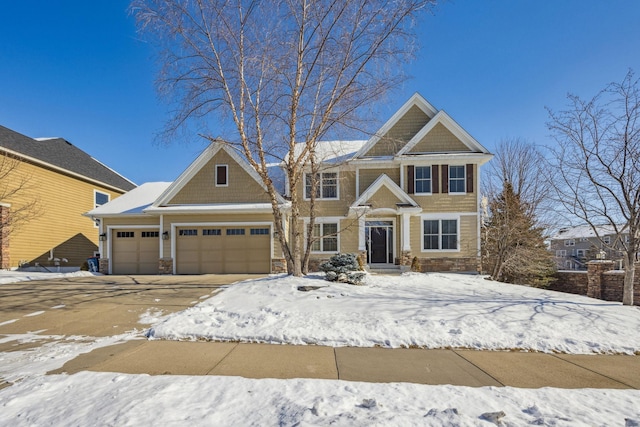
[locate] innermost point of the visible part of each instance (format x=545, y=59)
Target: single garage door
x=237, y=249
x=135, y=251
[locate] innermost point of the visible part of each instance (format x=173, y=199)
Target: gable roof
x=384, y=181
x=443, y=118
x=61, y=155
x=133, y=202
x=204, y=157
x=585, y=232
x=415, y=100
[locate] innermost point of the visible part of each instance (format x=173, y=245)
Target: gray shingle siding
x=61, y=153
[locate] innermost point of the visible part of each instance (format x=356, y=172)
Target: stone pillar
x=103, y=265
x=5, y=259
x=165, y=266
x=278, y=265
x=595, y=279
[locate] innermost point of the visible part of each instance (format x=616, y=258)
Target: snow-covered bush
x=343, y=268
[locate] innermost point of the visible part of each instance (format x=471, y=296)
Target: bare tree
x=16, y=193
x=597, y=166
x=284, y=72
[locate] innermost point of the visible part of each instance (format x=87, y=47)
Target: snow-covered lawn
x=12, y=276
x=86, y=399
x=431, y=310
x=425, y=310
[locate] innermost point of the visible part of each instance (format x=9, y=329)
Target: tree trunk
x=629, y=276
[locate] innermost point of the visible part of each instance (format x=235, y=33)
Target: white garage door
x=134, y=251
x=237, y=249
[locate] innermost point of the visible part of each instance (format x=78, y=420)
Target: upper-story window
x=423, y=179
x=222, y=175
x=606, y=240
x=457, y=179
x=100, y=198
x=570, y=242
x=326, y=188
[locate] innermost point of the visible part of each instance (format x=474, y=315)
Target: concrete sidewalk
x=455, y=367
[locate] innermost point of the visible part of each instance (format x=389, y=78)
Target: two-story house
x=412, y=190
x=45, y=187
x=573, y=247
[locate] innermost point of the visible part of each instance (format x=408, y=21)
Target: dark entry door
x=378, y=245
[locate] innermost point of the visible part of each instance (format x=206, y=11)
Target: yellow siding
x=400, y=133
x=447, y=202
x=468, y=239
x=131, y=220
x=60, y=226
x=201, y=189
x=368, y=176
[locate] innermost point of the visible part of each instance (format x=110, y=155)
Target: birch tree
x=279, y=72
x=596, y=172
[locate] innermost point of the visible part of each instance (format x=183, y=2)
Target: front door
x=379, y=236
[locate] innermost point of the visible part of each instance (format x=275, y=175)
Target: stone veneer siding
x=165, y=266
x=599, y=281
x=453, y=265
x=103, y=265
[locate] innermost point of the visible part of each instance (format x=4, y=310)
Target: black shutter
x=410, y=180
x=470, y=178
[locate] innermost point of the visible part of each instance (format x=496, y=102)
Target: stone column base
x=103, y=265
x=165, y=266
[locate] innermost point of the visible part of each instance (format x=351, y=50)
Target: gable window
x=457, y=179
x=222, y=176
x=327, y=185
x=423, y=179
x=326, y=237
x=440, y=234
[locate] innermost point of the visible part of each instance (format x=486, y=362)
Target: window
x=457, y=179
x=326, y=235
x=235, y=231
x=100, y=198
x=327, y=186
x=222, y=176
x=423, y=179
x=570, y=242
x=150, y=234
x=211, y=232
x=561, y=253
x=188, y=232
x=259, y=231
x=125, y=234
x=440, y=234
x=606, y=240
x=581, y=253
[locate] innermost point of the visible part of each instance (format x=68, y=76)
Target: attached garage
x=223, y=249
x=134, y=251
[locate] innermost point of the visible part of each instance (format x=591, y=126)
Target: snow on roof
x=583, y=232
x=333, y=151
x=132, y=202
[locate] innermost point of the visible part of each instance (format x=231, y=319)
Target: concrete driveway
x=99, y=305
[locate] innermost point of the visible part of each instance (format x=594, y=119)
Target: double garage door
x=233, y=249
x=135, y=251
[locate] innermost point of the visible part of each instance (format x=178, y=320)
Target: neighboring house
x=410, y=191
x=573, y=247
x=59, y=182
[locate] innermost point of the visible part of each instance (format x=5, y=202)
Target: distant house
x=57, y=183
x=573, y=247
x=412, y=190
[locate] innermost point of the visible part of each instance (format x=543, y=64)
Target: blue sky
x=78, y=70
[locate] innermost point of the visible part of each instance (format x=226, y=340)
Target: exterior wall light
x=165, y=235
x=103, y=237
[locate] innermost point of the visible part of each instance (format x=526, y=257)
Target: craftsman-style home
x=409, y=192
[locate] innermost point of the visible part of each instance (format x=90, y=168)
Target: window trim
x=226, y=175
x=440, y=218
x=415, y=180
x=325, y=220
x=96, y=222
x=463, y=179
x=320, y=186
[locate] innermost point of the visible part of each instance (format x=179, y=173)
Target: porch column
x=406, y=232
x=362, y=246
